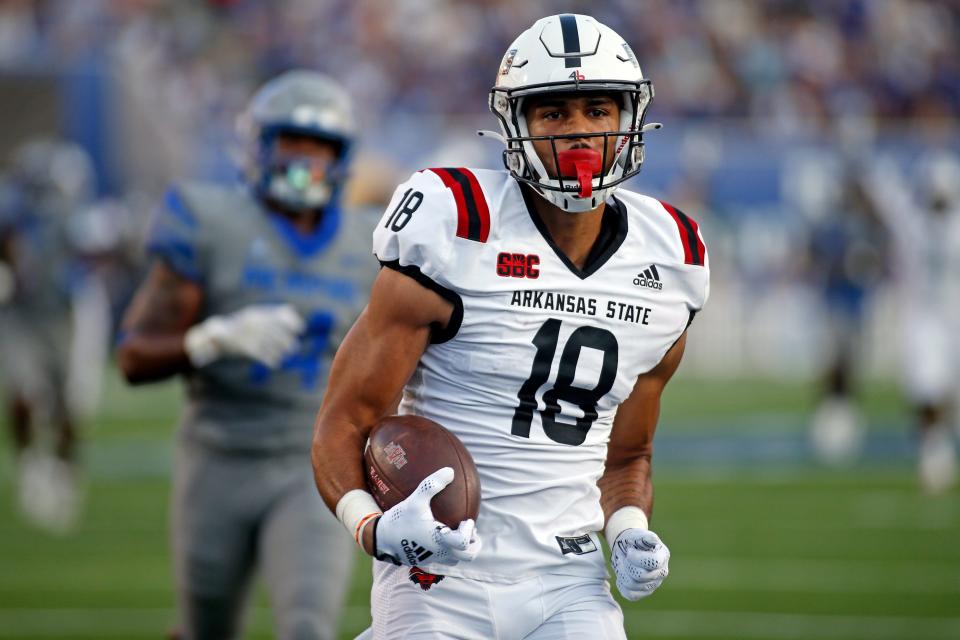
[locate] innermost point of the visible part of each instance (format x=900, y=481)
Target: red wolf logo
x=426, y=580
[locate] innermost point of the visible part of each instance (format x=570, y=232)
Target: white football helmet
x=565, y=53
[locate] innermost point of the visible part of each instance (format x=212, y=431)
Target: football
x=403, y=450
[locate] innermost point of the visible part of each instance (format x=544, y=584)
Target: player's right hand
x=408, y=534
x=640, y=561
x=265, y=333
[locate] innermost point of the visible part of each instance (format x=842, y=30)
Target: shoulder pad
x=190, y=216
x=426, y=215
x=694, y=250
x=174, y=234
x=694, y=253
x=473, y=215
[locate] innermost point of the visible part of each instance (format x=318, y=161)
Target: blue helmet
x=303, y=103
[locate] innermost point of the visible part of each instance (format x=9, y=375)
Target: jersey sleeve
x=176, y=234
x=416, y=233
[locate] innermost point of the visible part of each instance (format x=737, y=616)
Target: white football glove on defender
x=408, y=534
x=265, y=333
x=640, y=560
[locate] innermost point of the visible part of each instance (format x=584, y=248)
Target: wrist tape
x=622, y=519
x=356, y=509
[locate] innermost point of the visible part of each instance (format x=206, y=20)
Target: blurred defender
x=250, y=292
x=40, y=299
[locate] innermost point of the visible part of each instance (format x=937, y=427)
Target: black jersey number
x=546, y=343
x=409, y=203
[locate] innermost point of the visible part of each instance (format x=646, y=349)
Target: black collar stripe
x=693, y=249
x=571, y=38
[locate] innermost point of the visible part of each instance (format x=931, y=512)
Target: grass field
x=765, y=544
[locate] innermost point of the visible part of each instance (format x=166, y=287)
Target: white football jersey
x=538, y=354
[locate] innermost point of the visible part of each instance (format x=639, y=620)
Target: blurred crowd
x=780, y=59
x=787, y=66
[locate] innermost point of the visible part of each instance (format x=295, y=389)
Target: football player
x=926, y=251
x=50, y=182
x=537, y=313
x=847, y=257
x=251, y=290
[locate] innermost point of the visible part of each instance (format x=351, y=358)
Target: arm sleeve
x=175, y=235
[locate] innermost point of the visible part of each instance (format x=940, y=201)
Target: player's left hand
x=640, y=561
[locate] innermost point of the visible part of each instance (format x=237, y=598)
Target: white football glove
x=409, y=534
x=265, y=333
x=640, y=560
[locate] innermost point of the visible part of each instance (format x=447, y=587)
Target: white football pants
x=548, y=607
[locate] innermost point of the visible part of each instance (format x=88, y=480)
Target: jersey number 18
x=546, y=342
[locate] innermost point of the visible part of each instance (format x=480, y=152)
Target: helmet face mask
x=298, y=105
x=571, y=54
x=301, y=172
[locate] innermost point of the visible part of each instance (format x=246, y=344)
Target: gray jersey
x=43, y=259
x=241, y=255
x=35, y=324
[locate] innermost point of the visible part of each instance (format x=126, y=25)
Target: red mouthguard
x=583, y=163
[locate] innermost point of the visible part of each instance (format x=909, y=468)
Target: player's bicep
x=636, y=420
x=382, y=349
x=166, y=302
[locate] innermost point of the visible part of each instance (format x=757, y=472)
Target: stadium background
x=762, y=102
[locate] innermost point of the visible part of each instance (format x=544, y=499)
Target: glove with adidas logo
x=408, y=534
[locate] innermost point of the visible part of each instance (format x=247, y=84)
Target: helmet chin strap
x=583, y=163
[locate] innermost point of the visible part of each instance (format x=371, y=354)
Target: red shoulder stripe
x=481, y=203
x=693, y=250
x=473, y=215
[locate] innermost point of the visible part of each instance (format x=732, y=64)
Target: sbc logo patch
x=518, y=265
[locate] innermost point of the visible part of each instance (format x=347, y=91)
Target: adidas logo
x=650, y=278
x=414, y=552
